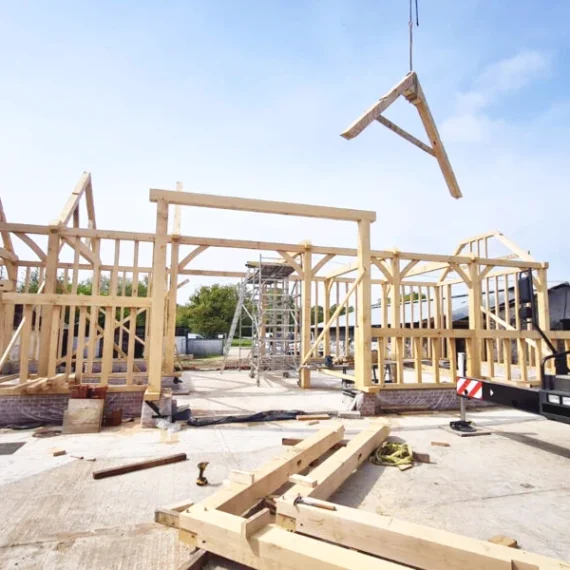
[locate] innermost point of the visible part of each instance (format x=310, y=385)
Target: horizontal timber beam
x=76, y=300
x=260, y=206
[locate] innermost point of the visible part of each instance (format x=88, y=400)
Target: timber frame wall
x=417, y=339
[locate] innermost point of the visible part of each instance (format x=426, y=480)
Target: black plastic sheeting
x=269, y=416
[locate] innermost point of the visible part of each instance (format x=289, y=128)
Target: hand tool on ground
x=202, y=481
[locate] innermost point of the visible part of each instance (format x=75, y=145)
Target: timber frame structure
x=62, y=328
x=279, y=517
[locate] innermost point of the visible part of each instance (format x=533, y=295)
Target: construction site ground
x=53, y=514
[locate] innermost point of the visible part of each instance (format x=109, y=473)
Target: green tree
x=342, y=311
x=211, y=309
x=317, y=312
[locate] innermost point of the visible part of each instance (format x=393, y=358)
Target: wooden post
x=156, y=333
x=475, y=322
x=363, y=338
x=50, y=286
x=305, y=373
x=171, y=324
x=326, y=310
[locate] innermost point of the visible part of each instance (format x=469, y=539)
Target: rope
x=393, y=454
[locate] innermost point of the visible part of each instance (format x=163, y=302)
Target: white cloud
x=470, y=122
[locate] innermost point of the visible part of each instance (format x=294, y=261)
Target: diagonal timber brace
x=411, y=89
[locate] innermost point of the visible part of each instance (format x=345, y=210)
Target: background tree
x=210, y=309
x=342, y=311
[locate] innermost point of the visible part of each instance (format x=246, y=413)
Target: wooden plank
x=407, y=543
x=139, y=466
x=309, y=417
x=260, y=206
x=238, y=498
x=83, y=416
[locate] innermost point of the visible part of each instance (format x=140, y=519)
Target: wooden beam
x=73, y=200
x=436, y=143
x=260, y=206
x=362, y=345
x=332, y=473
x=77, y=300
x=177, y=213
x=271, y=548
x=291, y=262
x=413, y=545
x=8, y=255
x=192, y=255
x=307, y=355
x=306, y=286
x=405, y=135
x=322, y=263
x=156, y=331
x=237, y=498
x=343, y=270
x=379, y=107
x=32, y=245
x=84, y=251
x=139, y=466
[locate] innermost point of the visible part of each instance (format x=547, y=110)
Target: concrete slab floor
x=54, y=515
x=234, y=392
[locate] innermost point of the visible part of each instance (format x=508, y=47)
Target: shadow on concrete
x=536, y=443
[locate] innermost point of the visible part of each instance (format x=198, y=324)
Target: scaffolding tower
x=270, y=302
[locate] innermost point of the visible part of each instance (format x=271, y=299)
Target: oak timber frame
x=418, y=340
x=412, y=91
x=256, y=519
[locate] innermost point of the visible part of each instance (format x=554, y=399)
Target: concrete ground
x=54, y=515
x=234, y=392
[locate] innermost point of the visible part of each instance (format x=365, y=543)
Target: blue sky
x=248, y=98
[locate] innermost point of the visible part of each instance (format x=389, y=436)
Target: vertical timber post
x=305, y=372
x=475, y=322
x=47, y=313
x=363, y=338
x=326, y=313
x=156, y=332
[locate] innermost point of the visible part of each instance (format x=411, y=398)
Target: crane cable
x=410, y=28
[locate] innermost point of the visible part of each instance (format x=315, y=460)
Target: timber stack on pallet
x=278, y=518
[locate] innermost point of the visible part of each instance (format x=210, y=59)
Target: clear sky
x=248, y=98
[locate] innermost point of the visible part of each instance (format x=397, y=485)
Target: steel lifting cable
x=410, y=28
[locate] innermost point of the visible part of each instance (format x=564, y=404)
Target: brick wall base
x=407, y=400
x=48, y=409
x=432, y=399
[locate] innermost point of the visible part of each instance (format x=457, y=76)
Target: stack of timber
x=303, y=529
